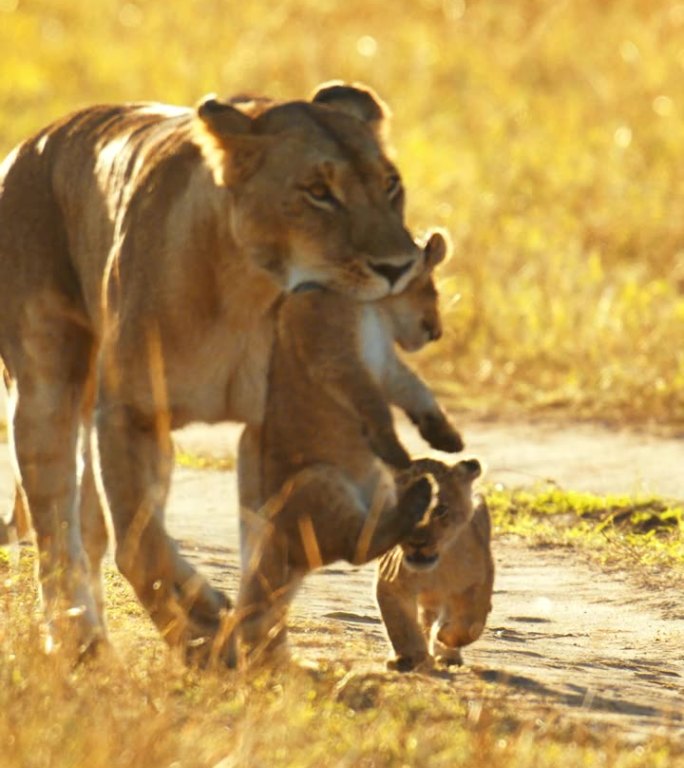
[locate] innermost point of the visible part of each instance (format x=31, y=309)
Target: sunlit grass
x=190, y=460
x=139, y=707
x=547, y=136
x=645, y=535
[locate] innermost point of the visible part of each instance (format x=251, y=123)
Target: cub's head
x=310, y=192
x=414, y=313
x=451, y=510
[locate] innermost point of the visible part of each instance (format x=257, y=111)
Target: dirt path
x=563, y=636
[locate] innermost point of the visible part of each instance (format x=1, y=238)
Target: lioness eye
x=319, y=192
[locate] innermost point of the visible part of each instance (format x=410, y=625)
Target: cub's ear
x=436, y=248
x=469, y=469
x=223, y=134
x=358, y=100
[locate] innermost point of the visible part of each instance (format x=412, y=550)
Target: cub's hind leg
x=318, y=517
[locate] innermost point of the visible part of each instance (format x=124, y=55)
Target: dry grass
x=548, y=137
x=554, y=161
x=639, y=537
x=142, y=708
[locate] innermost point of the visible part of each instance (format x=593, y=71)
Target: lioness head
x=450, y=512
x=313, y=195
x=414, y=314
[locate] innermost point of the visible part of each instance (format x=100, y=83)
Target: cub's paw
x=450, y=657
x=439, y=432
x=422, y=663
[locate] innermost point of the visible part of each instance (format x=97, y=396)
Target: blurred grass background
x=546, y=135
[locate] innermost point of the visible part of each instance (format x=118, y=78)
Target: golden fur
x=143, y=250
x=434, y=590
x=319, y=459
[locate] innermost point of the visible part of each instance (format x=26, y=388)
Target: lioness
x=434, y=590
x=142, y=251
x=317, y=460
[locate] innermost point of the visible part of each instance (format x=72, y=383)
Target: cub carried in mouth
x=434, y=590
x=313, y=478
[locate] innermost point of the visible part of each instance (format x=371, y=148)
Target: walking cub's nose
x=433, y=330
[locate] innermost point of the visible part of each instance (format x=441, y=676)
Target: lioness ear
x=356, y=100
x=223, y=135
x=221, y=118
x=469, y=469
x=436, y=249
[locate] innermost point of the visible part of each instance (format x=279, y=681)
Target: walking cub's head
x=451, y=510
x=414, y=313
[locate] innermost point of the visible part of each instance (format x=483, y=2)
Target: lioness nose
x=392, y=272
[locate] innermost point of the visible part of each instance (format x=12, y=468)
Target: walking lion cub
x=313, y=479
x=434, y=589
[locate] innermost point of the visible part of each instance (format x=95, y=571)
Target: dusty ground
x=563, y=636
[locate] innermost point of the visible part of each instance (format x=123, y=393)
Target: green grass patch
x=647, y=532
x=204, y=461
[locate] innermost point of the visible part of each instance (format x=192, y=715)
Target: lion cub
x=319, y=459
x=434, y=590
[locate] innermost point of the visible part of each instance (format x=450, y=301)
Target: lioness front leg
x=135, y=460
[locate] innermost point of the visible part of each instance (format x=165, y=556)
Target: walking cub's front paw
x=422, y=663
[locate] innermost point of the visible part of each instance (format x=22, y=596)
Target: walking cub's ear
x=468, y=469
x=357, y=100
x=436, y=248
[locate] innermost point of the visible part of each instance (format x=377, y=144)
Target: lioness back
x=434, y=590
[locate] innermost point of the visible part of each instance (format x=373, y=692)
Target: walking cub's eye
x=320, y=194
x=440, y=512
x=393, y=186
